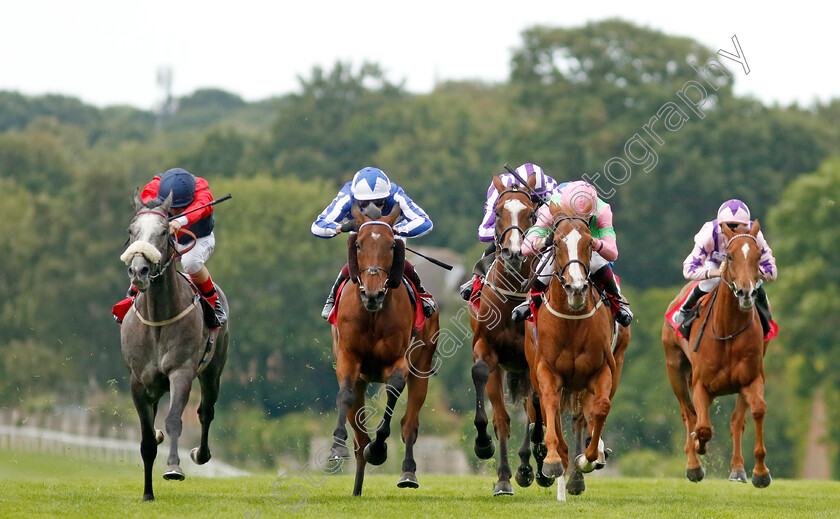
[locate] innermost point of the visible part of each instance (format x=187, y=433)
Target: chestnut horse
x=724, y=355
x=575, y=362
x=372, y=342
x=498, y=342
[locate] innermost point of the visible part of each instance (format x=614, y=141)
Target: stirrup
x=429, y=307
x=624, y=316
x=466, y=290
x=221, y=316
x=680, y=316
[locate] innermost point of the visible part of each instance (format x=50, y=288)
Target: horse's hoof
x=339, y=453
x=148, y=497
x=524, y=476
x=584, y=465
x=761, y=481
x=158, y=437
x=374, y=457
x=485, y=452
x=174, y=473
x=408, y=480
x=540, y=451
x=503, y=488
x=695, y=475
x=552, y=470
x=195, y=455
x=543, y=481
x=738, y=476
x=576, y=485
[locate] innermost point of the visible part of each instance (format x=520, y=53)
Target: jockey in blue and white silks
x=372, y=186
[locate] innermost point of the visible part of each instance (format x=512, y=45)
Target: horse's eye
x=498, y=214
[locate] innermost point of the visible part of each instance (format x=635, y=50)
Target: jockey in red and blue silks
x=710, y=251
x=372, y=186
x=188, y=192
x=545, y=185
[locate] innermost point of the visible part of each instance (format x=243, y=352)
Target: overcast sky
x=109, y=52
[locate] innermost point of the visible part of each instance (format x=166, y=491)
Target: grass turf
x=36, y=485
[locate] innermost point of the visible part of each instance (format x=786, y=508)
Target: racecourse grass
x=53, y=486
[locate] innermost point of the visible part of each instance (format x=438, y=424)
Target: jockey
x=545, y=185
x=371, y=186
x=709, y=252
x=576, y=198
x=188, y=193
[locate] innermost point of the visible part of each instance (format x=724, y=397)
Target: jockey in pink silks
x=709, y=252
x=545, y=185
x=578, y=198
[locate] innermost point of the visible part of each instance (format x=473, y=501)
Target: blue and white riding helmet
x=370, y=184
x=181, y=183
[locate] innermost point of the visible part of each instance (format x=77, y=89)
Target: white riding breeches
x=195, y=258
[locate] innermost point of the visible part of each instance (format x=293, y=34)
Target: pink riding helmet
x=579, y=198
x=734, y=211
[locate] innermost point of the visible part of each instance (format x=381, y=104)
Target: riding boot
x=429, y=306
x=689, y=303
x=466, y=289
x=762, y=304
x=605, y=278
x=208, y=292
x=523, y=309
x=328, y=307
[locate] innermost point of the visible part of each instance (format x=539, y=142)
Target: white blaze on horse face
x=147, y=225
x=375, y=236
x=745, y=249
x=514, y=207
x=575, y=270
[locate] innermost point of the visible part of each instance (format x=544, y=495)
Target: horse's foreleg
x=148, y=441
x=576, y=484
x=678, y=375
x=501, y=425
x=377, y=452
x=483, y=447
x=410, y=423
x=736, y=430
x=347, y=371
x=179, y=395
x=703, y=430
x=597, y=412
x=357, y=418
x=537, y=437
x=754, y=395
x=550, y=402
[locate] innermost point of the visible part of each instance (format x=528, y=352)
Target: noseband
x=160, y=268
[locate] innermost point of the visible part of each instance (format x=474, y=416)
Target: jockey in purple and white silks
x=372, y=186
x=545, y=185
x=710, y=251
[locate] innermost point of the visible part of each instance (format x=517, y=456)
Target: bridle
x=500, y=237
x=376, y=269
x=159, y=268
x=559, y=273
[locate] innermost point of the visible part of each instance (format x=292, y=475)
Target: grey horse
x=165, y=341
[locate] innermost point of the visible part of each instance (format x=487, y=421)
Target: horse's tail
x=518, y=385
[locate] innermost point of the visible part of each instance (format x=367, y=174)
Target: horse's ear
x=356, y=213
x=498, y=184
x=532, y=181
x=727, y=232
x=167, y=203
x=756, y=227
x=138, y=202
x=393, y=216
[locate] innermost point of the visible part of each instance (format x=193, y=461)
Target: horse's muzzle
x=139, y=273
x=372, y=300
x=576, y=296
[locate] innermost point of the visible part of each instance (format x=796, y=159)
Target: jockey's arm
x=694, y=264
x=414, y=221
x=766, y=263
x=328, y=223
x=487, y=228
x=536, y=235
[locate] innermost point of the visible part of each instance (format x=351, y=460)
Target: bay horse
x=723, y=355
x=575, y=351
x=372, y=342
x=165, y=341
x=498, y=342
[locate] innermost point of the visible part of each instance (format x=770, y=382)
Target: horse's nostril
x=380, y=294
